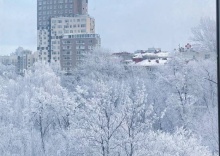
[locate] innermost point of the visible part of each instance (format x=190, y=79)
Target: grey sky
x=123, y=24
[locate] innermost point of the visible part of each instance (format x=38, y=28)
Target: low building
x=149, y=59
x=193, y=52
x=138, y=57
x=123, y=55
x=21, y=58
x=26, y=59
x=74, y=48
x=193, y=55
x=153, y=50
x=22, y=61
x=9, y=60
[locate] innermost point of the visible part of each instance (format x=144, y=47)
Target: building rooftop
x=148, y=63
x=159, y=55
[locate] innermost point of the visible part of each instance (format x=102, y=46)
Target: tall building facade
x=48, y=9
x=75, y=47
x=61, y=26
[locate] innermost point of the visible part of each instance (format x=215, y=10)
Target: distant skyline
x=124, y=25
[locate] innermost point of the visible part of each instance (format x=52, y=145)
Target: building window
x=83, y=20
x=67, y=58
x=80, y=47
x=90, y=47
x=66, y=47
x=80, y=42
x=66, y=42
x=83, y=31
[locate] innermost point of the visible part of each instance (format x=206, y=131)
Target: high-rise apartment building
x=47, y=9
x=75, y=47
x=61, y=26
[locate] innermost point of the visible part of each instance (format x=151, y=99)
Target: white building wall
x=43, y=44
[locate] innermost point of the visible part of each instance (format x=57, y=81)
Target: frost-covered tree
x=8, y=71
x=190, y=94
x=98, y=65
x=182, y=142
x=40, y=108
x=176, y=81
x=100, y=117
x=139, y=117
x=205, y=34
x=107, y=109
x=130, y=101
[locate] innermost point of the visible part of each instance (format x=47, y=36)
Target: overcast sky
x=124, y=25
